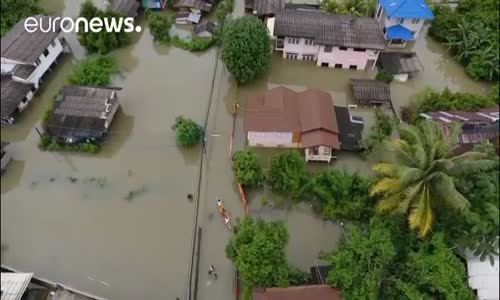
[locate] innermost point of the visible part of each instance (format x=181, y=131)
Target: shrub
x=448, y=100
x=48, y=143
x=247, y=168
x=384, y=76
x=224, y=8
x=93, y=71
x=196, y=44
x=286, y=175
x=297, y=277
x=159, y=25
x=246, y=49
x=11, y=11
x=188, y=132
x=379, y=132
x=100, y=42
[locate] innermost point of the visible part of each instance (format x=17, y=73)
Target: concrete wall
x=271, y=139
x=347, y=57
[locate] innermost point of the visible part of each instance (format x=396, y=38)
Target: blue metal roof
x=417, y=9
x=399, y=32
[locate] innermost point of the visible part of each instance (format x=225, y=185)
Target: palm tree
x=331, y=6
x=420, y=180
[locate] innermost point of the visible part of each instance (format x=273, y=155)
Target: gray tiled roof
x=399, y=62
x=80, y=112
x=267, y=7
x=23, y=71
x=12, y=94
x=198, y=4
x=367, y=91
x=127, y=8
x=204, y=26
x=22, y=46
x=330, y=29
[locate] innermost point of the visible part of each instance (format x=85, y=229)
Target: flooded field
x=118, y=224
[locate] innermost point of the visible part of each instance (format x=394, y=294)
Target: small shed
x=400, y=64
x=205, y=29
x=127, y=8
x=371, y=92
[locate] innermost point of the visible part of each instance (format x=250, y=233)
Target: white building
x=483, y=277
x=25, y=59
x=334, y=41
x=402, y=19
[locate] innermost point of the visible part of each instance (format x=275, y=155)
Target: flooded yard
x=118, y=224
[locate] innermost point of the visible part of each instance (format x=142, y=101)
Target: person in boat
x=226, y=219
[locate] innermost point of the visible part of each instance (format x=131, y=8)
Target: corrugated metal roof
x=14, y=285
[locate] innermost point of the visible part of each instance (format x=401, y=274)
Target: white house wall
x=22, y=105
x=271, y=139
x=407, y=22
x=347, y=57
x=46, y=61
x=300, y=49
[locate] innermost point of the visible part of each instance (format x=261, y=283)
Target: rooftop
x=399, y=62
x=14, y=285
x=407, y=9
x=399, y=32
x=23, y=46
x=23, y=71
x=330, y=29
x=12, y=93
x=367, y=91
x=127, y=8
x=350, y=133
x=198, y=4
x=316, y=292
x=267, y=7
x=310, y=112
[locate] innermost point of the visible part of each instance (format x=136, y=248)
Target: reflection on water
x=12, y=176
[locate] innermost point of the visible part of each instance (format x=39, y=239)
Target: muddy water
x=116, y=224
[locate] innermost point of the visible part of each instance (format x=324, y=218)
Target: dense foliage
x=448, y=100
x=384, y=261
x=384, y=76
x=246, y=48
x=224, y=8
x=471, y=32
x=286, y=176
x=93, y=71
x=356, y=8
x=258, y=252
x=47, y=143
x=380, y=132
x=100, y=42
x=419, y=182
x=11, y=11
x=339, y=195
x=247, y=168
x=188, y=133
x=196, y=44
x=159, y=25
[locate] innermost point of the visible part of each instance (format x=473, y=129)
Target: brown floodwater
x=118, y=224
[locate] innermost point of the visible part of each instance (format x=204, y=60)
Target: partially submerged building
x=6, y=155
x=26, y=57
x=264, y=8
x=402, y=65
x=82, y=114
x=371, y=92
x=336, y=41
x=126, y=8
x=287, y=119
x=402, y=19
x=477, y=127
x=205, y=29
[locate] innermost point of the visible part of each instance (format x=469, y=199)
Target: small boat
x=224, y=214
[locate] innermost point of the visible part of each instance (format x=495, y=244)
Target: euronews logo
x=95, y=25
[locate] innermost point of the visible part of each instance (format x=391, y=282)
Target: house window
x=338, y=66
x=308, y=57
x=353, y=67
x=375, y=52
x=260, y=145
x=293, y=40
x=325, y=64
x=291, y=55
x=328, y=48
x=359, y=50
x=24, y=99
x=37, y=61
x=53, y=43
x=327, y=151
x=309, y=42
x=415, y=21
x=401, y=20
x=33, y=88
x=343, y=48
x=46, y=52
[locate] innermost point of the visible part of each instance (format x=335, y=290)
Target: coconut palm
x=331, y=6
x=420, y=180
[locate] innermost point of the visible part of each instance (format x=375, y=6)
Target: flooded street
x=118, y=224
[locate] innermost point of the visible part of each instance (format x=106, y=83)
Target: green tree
x=384, y=76
x=188, y=132
x=258, y=252
x=100, y=42
x=93, y=71
x=420, y=180
x=11, y=11
x=447, y=100
x=247, y=168
x=286, y=176
x=340, y=195
x=159, y=25
x=379, y=133
x=246, y=48
x=332, y=6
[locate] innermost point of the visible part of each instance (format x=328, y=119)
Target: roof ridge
x=399, y=6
